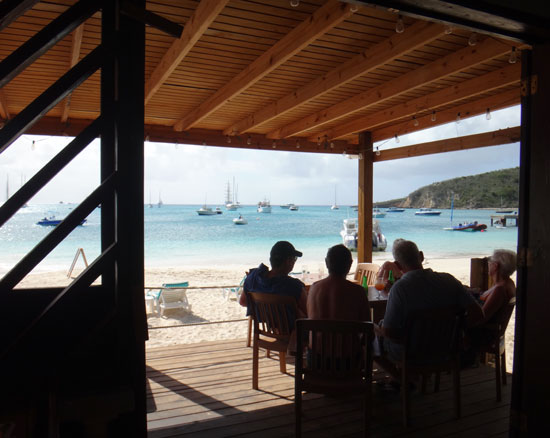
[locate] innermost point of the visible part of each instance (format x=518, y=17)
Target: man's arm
x=302, y=304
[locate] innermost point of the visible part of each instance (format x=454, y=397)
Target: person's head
x=338, y=260
x=283, y=255
x=406, y=255
x=502, y=261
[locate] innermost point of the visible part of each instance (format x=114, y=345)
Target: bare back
x=337, y=298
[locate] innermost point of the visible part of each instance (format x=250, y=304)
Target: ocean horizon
x=176, y=236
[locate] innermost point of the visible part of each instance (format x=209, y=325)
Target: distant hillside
x=496, y=189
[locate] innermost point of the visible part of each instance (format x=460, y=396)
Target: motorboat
x=293, y=207
x=264, y=206
x=427, y=212
x=472, y=226
x=395, y=210
x=286, y=206
x=240, y=220
x=218, y=210
x=52, y=221
x=350, y=231
x=376, y=212
x=205, y=211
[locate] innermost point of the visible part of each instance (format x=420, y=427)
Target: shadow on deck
x=206, y=390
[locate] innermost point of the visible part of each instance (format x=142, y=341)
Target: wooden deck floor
x=206, y=390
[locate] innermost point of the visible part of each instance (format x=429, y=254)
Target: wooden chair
x=339, y=362
x=497, y=345
x=272, y=317
x=369, y=270
x=431, y=345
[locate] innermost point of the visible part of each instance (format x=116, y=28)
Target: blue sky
x=192, y=174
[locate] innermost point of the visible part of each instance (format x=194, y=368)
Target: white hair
x=506, y=259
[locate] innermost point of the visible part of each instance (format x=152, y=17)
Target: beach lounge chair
x=173, y=296
x=339, y=362
x=233, y=293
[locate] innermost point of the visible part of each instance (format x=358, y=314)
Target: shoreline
x=211, y=305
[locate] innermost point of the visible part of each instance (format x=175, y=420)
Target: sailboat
x=231, y=202
x=150, y=204
x=467, y=226
x=335, y=205
x=159, y=204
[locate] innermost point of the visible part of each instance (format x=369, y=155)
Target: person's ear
x=421, y=257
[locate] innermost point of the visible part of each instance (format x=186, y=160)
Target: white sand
x=210, y=305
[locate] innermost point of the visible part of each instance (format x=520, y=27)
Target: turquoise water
x=175, y=236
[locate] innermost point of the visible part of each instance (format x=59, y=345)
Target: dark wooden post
x=364, y=210
x=122, y=217
x=531, y=380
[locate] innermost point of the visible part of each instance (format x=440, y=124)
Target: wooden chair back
x=369, y=270
x=273, y=318
x=431, y=345
x=339, y=361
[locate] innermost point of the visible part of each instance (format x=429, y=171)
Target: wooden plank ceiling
x=264, y=74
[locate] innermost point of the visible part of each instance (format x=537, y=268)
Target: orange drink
x=379, y=286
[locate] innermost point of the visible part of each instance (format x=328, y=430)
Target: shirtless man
x=335, y=297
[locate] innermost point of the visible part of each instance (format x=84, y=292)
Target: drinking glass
x=379, y=284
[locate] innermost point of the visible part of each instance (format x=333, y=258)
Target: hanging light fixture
x=353, y=8
x=297, y=144
x=488, y=114
x=249, y=140
x=513, y=56
x=396, y=138
x=399, y=25
x=378, y=151
x=448, y=29
x=415, y=121
x=274, y=144
x=228, y=139
x=472, y=41
x=434, y=117
x=294, y=3
x=458, y=118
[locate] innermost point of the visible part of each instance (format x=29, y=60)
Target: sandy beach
x=211, y=309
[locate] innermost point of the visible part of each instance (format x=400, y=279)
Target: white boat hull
x=350, y=234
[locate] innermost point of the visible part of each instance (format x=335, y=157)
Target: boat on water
x=335, y=205
x=218, y=210
x=472, y=226
x=427, y=212
x=264, y=206
x=240, y=220
x=376, y=212
x=52, y=221
x=395, y=210
x=350, y=231
x=206, y=211
x=286, y=206
x=293, y=207
x=231, y=202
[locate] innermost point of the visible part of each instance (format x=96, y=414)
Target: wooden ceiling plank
x=494, y=138
x=438, y=69
x=326, y=17
x=10, y=10
x=4, y=112
x=478, y=85
x=498, y=101
x=75, y=55
x=381, y=53
x=198, y=23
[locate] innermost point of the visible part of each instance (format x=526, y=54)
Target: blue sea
x=176, y=236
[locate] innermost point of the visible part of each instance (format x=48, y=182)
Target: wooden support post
x=364, y=244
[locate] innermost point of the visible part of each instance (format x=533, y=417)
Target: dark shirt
x=257, y=281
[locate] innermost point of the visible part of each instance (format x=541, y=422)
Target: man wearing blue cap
x=282, y=258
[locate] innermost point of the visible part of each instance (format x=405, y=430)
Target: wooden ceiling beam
x=323, y=19
x=76, y=44
x=498, y=101
x=198, y=137
x=420, y=34
x=482, y=84
x=494, y=138
x=432, y=71
x=198, y=23
x=10, y=10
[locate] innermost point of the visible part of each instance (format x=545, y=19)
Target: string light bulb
x=488, y=114
x=297, y=144
x=228, y=139
x=378, y=151
x=353, y=8
x=399, y=25
x=318, y=141
x=274, y=144
x=448, y=30
x=458, y=118
x=472, y=41
x=147, y=139
x=332, y=145
x=415, y=121
x=396, y=138
x=434, y=117
x=513, y=56
x=294, y=3
x=249, y=140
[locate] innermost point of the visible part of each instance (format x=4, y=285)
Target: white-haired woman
x=502, y=264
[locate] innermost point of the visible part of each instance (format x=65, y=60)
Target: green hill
x=496, y=189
